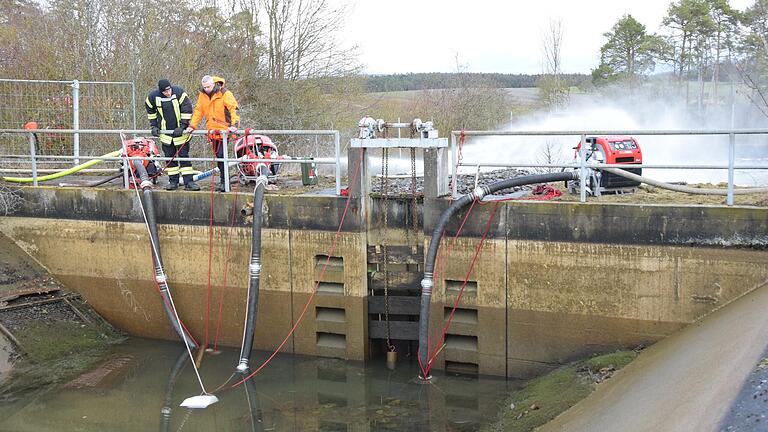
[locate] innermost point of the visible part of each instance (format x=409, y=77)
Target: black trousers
x=174, y=167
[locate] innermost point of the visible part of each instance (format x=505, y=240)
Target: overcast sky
x=399, y=36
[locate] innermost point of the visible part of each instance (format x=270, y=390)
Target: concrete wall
x=553, y=281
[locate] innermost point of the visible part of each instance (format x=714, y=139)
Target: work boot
x=191, y=185
x=173, y=183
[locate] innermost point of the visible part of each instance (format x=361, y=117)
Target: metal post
x=337, y=147
x=454, y=167
x=133, y=103
x=33, y=156
x=226, y=161
x=583, y=169
x=126, y=167
x=76, y=119
x=731, y=161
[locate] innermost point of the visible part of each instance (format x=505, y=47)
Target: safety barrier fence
x=583, y=165
x=69, y=104
x=227, y=158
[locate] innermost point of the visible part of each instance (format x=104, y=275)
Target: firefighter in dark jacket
x=169, y=108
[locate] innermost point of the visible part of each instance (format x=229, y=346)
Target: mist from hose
x=616, y=111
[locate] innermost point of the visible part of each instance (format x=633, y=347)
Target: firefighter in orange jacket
x=219, y=107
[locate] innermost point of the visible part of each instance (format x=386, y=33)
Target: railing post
x=76, y=120
x=337, y=149
x=731, y=163
x=126, y=165
x=226, y=160
x=133, y=103
x=33, y=156
x=454, y=165
x=583, y=169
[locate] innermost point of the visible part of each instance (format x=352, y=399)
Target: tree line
x=440, y=80
x=701, y=41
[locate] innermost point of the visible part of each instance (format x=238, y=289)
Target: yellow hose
x=66, y=172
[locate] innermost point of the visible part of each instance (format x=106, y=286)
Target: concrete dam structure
x=553, y=281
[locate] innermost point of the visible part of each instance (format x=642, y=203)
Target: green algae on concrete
x=545, y=397
x=54, y=353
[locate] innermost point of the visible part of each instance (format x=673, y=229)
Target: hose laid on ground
x=254, y=270
x=681, y=188
x=66, y=172
x=429, y=265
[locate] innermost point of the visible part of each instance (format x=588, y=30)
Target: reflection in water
x=292, y=393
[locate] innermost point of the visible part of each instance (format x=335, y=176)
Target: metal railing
x=44, y=107
x=226, y=159
x=584, y=166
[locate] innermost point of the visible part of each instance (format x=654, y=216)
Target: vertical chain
x=385, y=193
x=414, y=214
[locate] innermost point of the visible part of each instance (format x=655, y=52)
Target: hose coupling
x=146, y=184
x=254, y=268
x=479, y=193
x=161, y=278
x=426, y=285
x=262, y=179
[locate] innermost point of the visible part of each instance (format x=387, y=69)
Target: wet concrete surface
x=690, y=381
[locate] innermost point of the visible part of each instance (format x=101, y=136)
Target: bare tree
x=554, y=89
x=551, y=154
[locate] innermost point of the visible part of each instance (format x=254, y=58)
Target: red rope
x=210, y=239
x=438, y=266
x=461, y=291
x=317, y=283
x=226, y=268
x=170, y=306
x=459, y=155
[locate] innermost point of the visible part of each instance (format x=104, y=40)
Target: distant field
x=518, y=96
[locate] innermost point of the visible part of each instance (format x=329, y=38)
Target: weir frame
x=542, y=294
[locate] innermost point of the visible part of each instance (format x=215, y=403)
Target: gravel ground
x=748, y=410
x=466, y=182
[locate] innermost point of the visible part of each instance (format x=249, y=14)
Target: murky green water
x=140, y=386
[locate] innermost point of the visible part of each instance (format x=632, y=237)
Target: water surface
x=141, y=384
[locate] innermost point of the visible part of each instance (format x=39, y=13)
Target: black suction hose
x=429, y=265
x=160, y=276
x=165, y=412
x=254, y=270
x=254, y=406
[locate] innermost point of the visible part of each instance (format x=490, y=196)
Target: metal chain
x=385, y=193
x=414, y=215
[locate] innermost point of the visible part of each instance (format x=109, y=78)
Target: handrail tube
x=748, y=131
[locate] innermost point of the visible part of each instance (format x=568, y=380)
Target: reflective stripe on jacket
x=168, y=113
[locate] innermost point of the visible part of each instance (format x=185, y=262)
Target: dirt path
x=686, y=382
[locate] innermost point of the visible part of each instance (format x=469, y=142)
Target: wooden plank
x=396, y=254
x=397, y=280
x=401, y=330
x=398, y=305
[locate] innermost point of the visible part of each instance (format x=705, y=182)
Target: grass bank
x=544, y=398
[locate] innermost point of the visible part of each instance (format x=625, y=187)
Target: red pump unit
x=256, y=147
x=618, y=149
x=141, y=147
